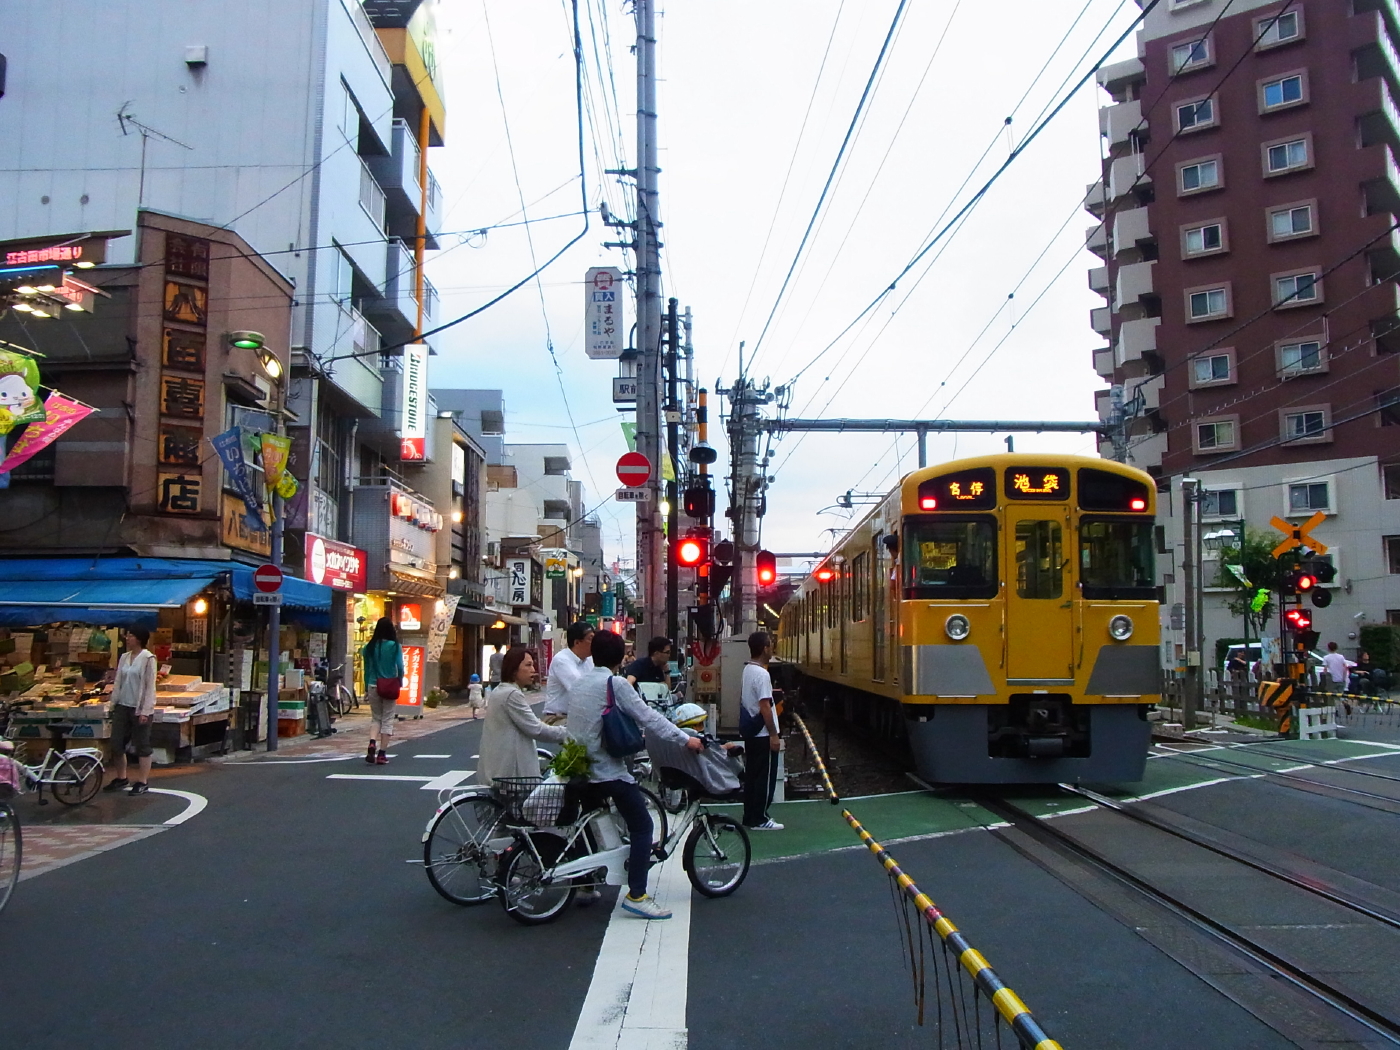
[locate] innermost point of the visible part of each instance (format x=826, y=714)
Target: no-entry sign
x=633, y=469
x=267, y=578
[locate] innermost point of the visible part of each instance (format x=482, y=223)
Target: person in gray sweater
x=509, y=736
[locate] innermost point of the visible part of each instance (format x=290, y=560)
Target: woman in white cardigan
x=512, y=728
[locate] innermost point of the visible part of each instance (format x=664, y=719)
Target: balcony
x=1116, y=123
x=1121, y=78
x=1103, y=404
x=1134, y=284
x=1382, y=193
x=434, y=210
x=357, y=376
x=1131, y=229
x=1126, y=174
x=1147, y=452
x=1383, y=255
x=1103, y=361
x=1101, y=321
x=1098, y=280
x=396, y=311
x=1096, y=240
x=1094, y=198
x=398, y=172
x=1135, y=340
x=1379, y=121
x=371, y=196
x=1151, y=393
x=1374, y=56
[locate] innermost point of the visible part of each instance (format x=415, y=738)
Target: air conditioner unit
x=493, y=549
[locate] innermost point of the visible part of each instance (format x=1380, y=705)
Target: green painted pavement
x=816, y=826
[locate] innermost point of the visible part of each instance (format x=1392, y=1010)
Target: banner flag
x=229, y=446
x=437, y=629
x=58, y=414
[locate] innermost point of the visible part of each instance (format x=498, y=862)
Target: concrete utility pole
x=747, y=485
x=673, y=513
x=649, y=557
x=1190, y=566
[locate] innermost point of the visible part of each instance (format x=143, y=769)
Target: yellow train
x=1001, y=612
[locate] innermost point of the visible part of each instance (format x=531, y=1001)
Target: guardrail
x=1008, y=1004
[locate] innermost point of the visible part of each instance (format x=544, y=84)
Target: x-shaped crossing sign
x=1298, y=535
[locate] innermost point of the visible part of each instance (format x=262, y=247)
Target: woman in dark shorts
x=133, y=707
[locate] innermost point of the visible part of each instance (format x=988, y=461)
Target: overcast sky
x=749, y=132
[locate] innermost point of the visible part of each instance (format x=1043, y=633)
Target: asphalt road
x=285, y=915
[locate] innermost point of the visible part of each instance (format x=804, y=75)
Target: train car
x=1000, y=613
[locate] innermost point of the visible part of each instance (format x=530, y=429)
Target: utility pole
x=747, y=487
x=648, y=316
x=1190, y=566
x=673, y=512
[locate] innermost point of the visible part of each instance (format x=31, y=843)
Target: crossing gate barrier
x=1279, y=697
x=1317, y=723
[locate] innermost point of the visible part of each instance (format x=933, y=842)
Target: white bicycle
x=73, y=776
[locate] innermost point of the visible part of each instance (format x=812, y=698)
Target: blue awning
x=296, y=592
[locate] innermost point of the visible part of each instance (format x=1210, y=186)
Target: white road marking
x=195, y=804
x=1193, y=787
x=376, y=776
x=637, y=999
x=433, y=756
x=450, y=779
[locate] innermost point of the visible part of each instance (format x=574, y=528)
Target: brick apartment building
x=1248, y=203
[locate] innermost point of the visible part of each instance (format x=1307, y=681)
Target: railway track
x=1220, y=888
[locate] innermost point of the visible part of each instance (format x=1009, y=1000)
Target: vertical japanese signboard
x=412, y=693
x=603, y=330
x=185, y=306
x=413, y=403
x=519, y=569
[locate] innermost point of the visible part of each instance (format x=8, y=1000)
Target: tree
x=1263, y=572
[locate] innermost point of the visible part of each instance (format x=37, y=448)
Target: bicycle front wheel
x=457, y=851
x=11, y=850
x=76, y=779
x=717, y=855
x=528, y=893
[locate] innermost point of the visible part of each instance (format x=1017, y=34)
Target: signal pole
x=673, y=513
x=648, y=316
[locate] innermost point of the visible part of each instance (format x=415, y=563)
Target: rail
x=1008, y=1004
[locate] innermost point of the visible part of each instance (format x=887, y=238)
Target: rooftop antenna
x=147, y=133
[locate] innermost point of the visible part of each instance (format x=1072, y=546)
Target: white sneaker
x=646, y=908
x=768, y=825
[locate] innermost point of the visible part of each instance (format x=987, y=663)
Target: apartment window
x=349, y=115
x=1297, y=289
x=1194, y=116
x=1220, y=503
x=1305, y=497
x=1217, y=435
x=1390, y=480
x=1216, y=368
x=1292, y=220
x=1203, y=240
x=1292, y=155
x=556, y=465
x=1207, y=304
x=1282, y=92
x=1388, y=407
x=371, y=197
x=1300, y=358
x=1309, y=424
x=1193, y=54
x=1392, y=555
x=1386, y=334
x=1282, y=29
x=1199, y=175
x=344, y=289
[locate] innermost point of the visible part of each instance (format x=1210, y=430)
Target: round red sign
x=633, y=469
x=267, y=578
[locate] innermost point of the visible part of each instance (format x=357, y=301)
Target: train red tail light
x=1137, y=504
x=928, y=503
x=824, y=574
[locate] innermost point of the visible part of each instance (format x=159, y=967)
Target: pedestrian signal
x=767, y=565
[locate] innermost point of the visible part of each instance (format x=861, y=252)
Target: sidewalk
x=352, y=735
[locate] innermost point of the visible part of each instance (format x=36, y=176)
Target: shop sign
x=519, y=570
x=412, y=693
x=556, y=564
x=602, y=312
x=236, y=531
x=183, y=394
x=413, y=403
x=443, y=612
x=80, y=249
x=335, y=564
x=405, y=507
x=410, y=617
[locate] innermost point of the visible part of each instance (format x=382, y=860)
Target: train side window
x=860, y=579
x=1040, y=560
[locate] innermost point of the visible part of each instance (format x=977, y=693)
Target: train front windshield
x=954, y=559
x=1116, y=560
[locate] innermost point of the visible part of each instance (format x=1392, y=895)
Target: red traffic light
x=1299, y=619
x=690, y=552
x=1305, y=582
x=767, y=567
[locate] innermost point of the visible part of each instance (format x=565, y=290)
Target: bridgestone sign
x=413, y=403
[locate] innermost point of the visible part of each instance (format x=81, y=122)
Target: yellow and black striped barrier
x=1008, y=1003
x=817, y=756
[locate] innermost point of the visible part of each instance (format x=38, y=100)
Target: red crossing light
x=690, y=551
x=1299, y=619
x=767, y=567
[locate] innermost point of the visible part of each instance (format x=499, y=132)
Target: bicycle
x=340, y=698
x=73, y=776
x=11, y=845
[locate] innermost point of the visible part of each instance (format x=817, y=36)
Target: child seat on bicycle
x=711, y=773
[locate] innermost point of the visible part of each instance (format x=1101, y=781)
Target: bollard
x=1008, y=1003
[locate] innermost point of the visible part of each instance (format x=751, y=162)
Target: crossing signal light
x=692, y=551
x=1321, y=599
x=700, y=502
x=1299, y=619
x=767, y=565
x=1322, y=569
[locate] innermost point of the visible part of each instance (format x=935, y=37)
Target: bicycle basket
x=531, y=800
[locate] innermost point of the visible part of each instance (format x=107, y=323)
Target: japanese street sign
x=633, y=469
x=267, y=598
x=624, y=390
x=602, y=312
x=633, y=495
x=267, y=578
x=1298, y=535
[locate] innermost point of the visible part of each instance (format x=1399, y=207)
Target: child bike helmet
x=690, y=716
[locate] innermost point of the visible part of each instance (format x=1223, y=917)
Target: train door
x=1039, y=613
x=877, y=614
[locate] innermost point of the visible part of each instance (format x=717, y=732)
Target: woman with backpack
x=383, y=661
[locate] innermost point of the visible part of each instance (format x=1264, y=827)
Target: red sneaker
x=381, y=759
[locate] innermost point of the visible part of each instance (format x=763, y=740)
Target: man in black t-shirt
x=652, y=667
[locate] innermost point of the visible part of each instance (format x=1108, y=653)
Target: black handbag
x=621, y=734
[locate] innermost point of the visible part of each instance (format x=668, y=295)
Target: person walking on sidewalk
x=511, y=729
x=590, y=696
x=383, y=659
x=493, y=668
x=133, y=707
x=758, y=726
x=565, y=669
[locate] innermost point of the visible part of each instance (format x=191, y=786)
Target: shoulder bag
x=387, y=688
x=621, y=734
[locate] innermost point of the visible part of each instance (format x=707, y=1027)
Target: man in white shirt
x=758, y=725
x=1335, y=667
x=565, y=669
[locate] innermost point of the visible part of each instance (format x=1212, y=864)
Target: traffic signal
x=692, y=551
x=1299, y=619
x=700, y=501
x=1321, y=598
x=767, y=565
x=1297, y=581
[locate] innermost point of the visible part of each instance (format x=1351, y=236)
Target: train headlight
x=1120, y=628
x=957, y=627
